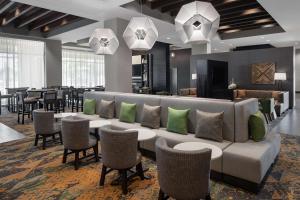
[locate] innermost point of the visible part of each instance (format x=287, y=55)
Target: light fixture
x=104, y=41
x=251, y=11
x=172, y=54
x=194, y=76
x=197, y=22
x=280, y=76
x=140, y=33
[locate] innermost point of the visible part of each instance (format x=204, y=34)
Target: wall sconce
x=172, y=54
x=194, y=76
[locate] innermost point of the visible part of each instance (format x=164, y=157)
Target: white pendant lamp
x=140, y=34
x=197, y=22
x=104, y=41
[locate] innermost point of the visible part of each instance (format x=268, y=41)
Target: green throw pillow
x=178, y=120
x=89, y=106
x=127, y=112
x=257, y=126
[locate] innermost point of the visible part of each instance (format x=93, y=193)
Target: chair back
x=118, y=147
x=183, y=174
x=43, y=121
x=50, y=96
x=75, y=133
x=20, y=98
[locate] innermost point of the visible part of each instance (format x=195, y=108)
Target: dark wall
x=161, y=66
x=239, y=66
x=181, y=61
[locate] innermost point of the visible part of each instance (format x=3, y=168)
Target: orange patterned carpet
x=27, y=172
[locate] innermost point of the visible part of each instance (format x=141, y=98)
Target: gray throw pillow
x=151, y=116
x=107, y=109
x=209, y=125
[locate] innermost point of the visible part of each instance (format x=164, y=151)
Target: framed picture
x=263, y=73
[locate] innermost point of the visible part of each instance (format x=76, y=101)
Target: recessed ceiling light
x=168, y=38
x=262, y=21
x=268, y=25
x=224, y=27
x=251, y=11
x=268, y=40
x=232, y=31
x=262, y=37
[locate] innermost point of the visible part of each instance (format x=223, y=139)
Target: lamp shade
x=197, y=22
x=140, y=34
x=104, y=41
x=280, y=76
x=194, y=76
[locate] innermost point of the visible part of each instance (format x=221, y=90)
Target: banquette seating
x=242, y=159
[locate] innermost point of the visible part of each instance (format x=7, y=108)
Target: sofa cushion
x=98, y=96
x=257, y=126
x=151, y=116
x=89, y=106
x=202, y=104
x=177, y=120
x=209, y=125
x=243, y=110
x=127, y=112
x=139, y=100
x=251, y=160
x=107, y=109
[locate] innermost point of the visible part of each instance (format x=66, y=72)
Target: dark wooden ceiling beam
x=241, y=26
x=59, y=23
x=5, y=5
x=48, y=20
x=245, y=19
x=33, y=17
x=19, y=11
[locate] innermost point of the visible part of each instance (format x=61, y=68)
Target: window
x=21, y=63
x=82, y=68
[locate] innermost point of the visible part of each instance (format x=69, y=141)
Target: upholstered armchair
x=119, y=152
x=182, y=174
x=77, y=138
x=44, y=126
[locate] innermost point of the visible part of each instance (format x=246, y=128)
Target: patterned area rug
x=28, y=172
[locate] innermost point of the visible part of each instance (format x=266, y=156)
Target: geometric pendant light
x=104, y=41
x=140, y=34
x=197, y=22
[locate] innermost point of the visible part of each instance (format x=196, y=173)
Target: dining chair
x=76, y=138
x=44, y=126
x=119, y=152
x=77, y=99
x=25, y=106
x=182, y=174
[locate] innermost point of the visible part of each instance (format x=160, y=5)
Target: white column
x=118, y=67
x=201, y=49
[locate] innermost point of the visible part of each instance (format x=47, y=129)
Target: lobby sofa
x=281, y=97
x=243, y=160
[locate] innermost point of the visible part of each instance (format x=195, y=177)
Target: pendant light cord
x=141, y=4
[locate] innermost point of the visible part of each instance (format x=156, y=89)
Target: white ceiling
x=286, y=13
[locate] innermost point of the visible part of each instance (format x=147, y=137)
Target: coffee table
x=63, y=115
x=216, y=152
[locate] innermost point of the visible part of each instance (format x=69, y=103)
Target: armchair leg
x=208, y=197
x=76, y=160
x=161, y=195
x=36, y=140
x=124, y=181
x=65, y=156
x=96, y=152
x=139, y=169
x=103, y=174
x=44, y=142
x=60, y=138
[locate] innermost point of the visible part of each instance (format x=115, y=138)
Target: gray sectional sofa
x=242, y=159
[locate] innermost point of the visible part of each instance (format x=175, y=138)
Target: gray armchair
x=77, y=138
x=182, y=174
x=44, y=126
x=119, y=152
